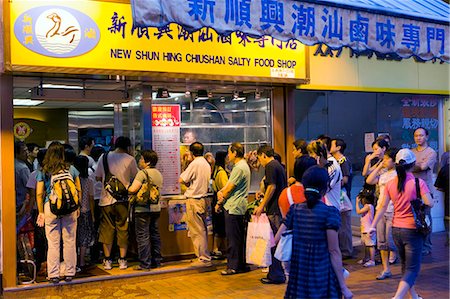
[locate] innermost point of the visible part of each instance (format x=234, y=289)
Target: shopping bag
x=284, y=248
x=260, y=240
x=345, y=204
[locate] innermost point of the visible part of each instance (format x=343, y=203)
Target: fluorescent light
x=62, y=86
x=26, y=102
x=124, y=105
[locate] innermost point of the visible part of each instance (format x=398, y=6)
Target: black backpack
x=112, y=184
x=64, y=197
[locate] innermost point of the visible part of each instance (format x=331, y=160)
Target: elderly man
x=233, y=198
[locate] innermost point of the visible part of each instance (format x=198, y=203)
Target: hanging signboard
x=100, y=36
x=422, y=36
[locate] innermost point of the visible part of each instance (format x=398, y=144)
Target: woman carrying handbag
x=409, y=241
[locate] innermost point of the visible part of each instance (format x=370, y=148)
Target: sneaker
x=369, y=263
x=54, y=280
x=228, y=272
x=362, y=262
x=107, y=264
x=122, y=264
x=383, y=275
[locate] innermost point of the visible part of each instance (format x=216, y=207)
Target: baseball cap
x=405, y=156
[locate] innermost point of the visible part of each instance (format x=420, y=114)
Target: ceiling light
x=62, y=86
x=124, y=105
x=26, y=102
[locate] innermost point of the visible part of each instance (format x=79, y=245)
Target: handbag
x=284, y=248
x=418, y=211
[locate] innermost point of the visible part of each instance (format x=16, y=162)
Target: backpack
x=148, y=193
x=112, y=184
x=63, y=195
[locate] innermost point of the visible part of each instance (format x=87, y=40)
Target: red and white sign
x=166, y=123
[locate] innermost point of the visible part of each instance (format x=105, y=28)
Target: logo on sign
x=56, y=31
x=22, y=130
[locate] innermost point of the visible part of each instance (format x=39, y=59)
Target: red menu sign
x=166, y=116
x=166, y=122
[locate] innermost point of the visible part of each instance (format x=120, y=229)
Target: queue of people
x=314, y=203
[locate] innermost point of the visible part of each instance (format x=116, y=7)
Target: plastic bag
x=284, y=247
x=260, y=240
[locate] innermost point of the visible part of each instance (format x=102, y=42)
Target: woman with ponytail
x=401, y=191
x=315, y=246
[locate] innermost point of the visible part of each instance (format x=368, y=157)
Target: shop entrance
x=67, y=108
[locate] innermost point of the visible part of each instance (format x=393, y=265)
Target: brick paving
x=433, y=282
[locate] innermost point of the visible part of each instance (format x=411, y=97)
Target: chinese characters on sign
x=166, y=142
x=306, y=22
x=420, y=111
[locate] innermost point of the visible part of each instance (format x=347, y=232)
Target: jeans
x=276, y=271
x=385, y=240
x=409, y=247
x=148, y=238
x=235, y=231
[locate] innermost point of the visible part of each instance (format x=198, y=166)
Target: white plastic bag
x=259, y=241
x=284, y=247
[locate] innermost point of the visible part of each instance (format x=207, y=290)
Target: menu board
x=166, y=122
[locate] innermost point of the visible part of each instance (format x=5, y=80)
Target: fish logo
x=57, y=31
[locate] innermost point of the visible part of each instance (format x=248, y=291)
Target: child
x=367, y=239
x=85, y=228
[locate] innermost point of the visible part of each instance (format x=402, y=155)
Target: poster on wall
x=177, y=215
x=420, y=111
x=166, y=122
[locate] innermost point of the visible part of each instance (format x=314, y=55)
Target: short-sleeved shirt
x=123, y=166
x=236, y=203
x=403, y=217
x=346, y=169
x=157, y=179
x=31, y=183
x=22, y=173
x=219, y=178
x=41, y=177
x=275, y=175
x=197, y=175
x=385, y=177
x=298, y=196
x=302, y=164
x=333, y=195
x=428, y=157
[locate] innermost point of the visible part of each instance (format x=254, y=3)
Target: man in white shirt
x=196, y=177
x=114, y=214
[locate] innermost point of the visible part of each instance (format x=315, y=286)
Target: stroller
x=25, y=243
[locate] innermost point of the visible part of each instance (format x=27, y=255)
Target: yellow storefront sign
x=96, y=36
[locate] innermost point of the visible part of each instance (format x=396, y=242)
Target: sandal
x=229, y=272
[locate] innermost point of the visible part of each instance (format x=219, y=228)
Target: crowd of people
x=315, y=203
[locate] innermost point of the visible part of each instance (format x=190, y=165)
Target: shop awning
x=391, y=28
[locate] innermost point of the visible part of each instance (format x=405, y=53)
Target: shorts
x=113, y=218
x=368, y=239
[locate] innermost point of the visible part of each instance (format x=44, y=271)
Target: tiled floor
x=433, y=282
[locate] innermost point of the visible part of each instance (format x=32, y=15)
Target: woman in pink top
x=409, y=241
